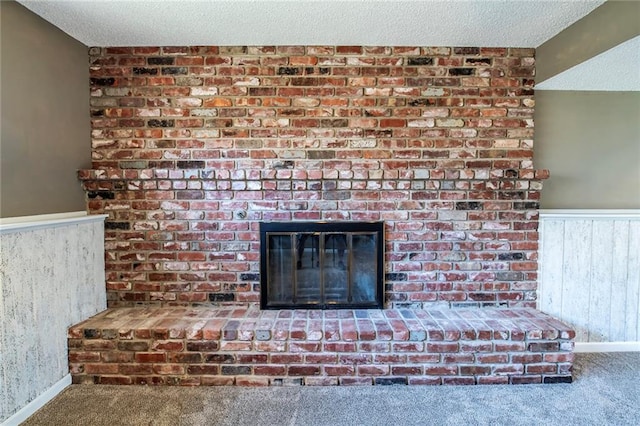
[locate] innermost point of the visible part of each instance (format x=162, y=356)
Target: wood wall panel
x=590, y=272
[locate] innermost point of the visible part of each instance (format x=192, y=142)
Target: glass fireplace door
x=322, y=269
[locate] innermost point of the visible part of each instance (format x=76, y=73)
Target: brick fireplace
x=193, y=147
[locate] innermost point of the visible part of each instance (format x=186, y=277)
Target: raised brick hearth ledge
x=246, y=346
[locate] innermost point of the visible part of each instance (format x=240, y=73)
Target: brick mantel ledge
x=245, y=346
x=279, y=173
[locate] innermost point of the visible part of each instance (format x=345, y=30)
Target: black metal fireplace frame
x=323, y=227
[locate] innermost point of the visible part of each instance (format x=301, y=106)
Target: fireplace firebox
x=321, y=265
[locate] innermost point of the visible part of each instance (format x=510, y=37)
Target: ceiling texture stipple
x=485, y=23
x=488, y=23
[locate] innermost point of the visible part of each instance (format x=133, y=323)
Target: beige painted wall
x=590, y=141
x=45, y=133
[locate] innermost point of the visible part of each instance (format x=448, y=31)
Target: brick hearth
x=245, y=346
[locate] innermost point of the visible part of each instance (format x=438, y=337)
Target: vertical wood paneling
x=600, y=280
x=552, y=248
x=633, y=283
x=590, y=273
x=619, y=281
x=575, y=289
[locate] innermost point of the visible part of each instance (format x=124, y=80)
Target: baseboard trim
x=28, y=410
x=589, y=214
x=582, y=347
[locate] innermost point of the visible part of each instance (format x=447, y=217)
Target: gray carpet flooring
x=605, y=391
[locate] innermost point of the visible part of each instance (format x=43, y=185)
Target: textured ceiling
x=503, y=23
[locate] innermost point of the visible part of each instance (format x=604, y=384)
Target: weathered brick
x=413, y=61
x=135, y=369
x=373, y=370
x=149, y=357
x=541, y=369
x=386, y=381
x=203, y=370
x=217, y=381
x=203, y=346
x=321, y=381
x=75, y=356
x=270, y=370
x=442, y=347
x=339, y=370
x=543, y=346
x=524, y=380
x=97, y=369
x=303, y=370
x=98, y=345
x=424, y=380
x=474, y=370
x=441, y=370
x=355, y=381
x=115, y=380
x=148, y=380
x=234, y=370
x=407, y=370
x=458, y=381
x=252, y=381
x=133, y=345
x=558, y=379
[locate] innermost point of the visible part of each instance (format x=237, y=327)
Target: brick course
x=193, y=146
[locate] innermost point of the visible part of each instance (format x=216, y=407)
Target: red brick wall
x=435, y=142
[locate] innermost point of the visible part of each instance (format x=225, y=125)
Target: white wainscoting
x=51, y=277
x=589, y=275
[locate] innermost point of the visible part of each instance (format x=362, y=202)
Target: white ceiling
x=487, y=23
x=501, y=23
